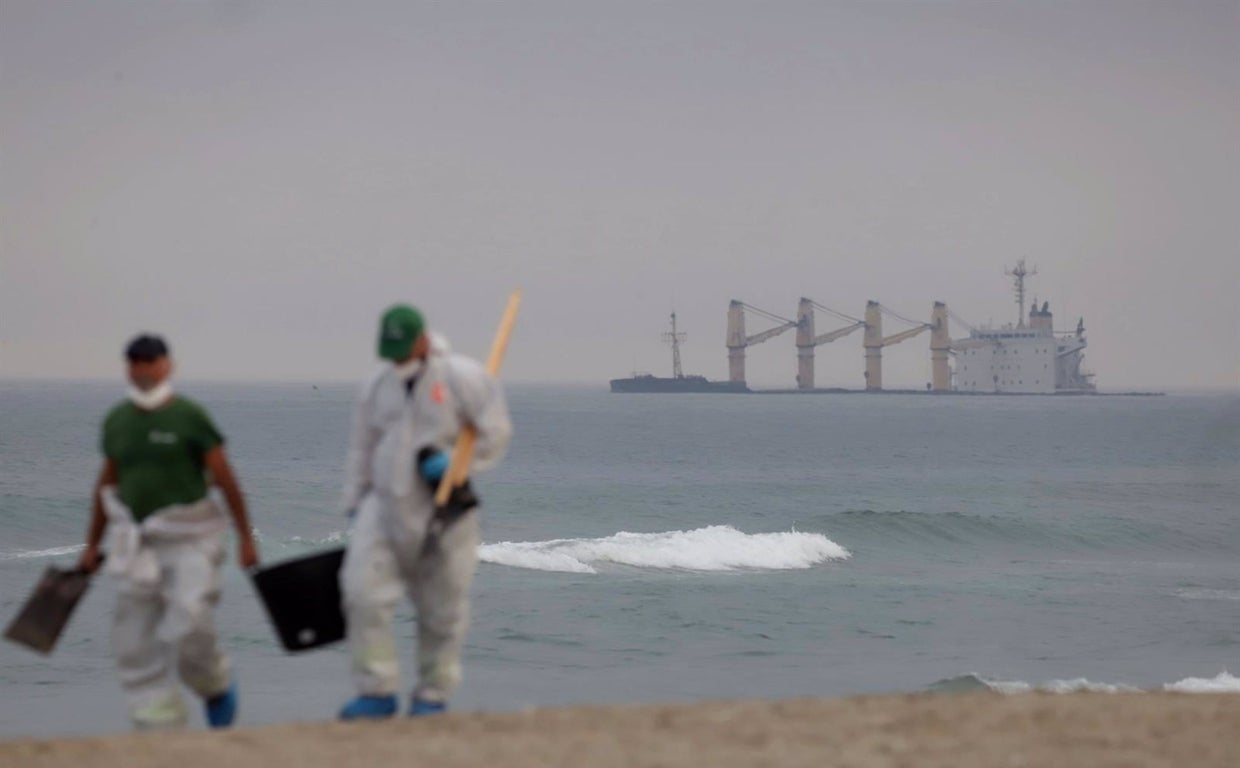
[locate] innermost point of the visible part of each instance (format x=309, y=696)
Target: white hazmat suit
x=393, y=507
x=168, y=584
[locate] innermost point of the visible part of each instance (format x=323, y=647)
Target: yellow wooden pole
x=463, y=453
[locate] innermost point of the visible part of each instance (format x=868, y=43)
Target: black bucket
x=302, y=598
x=47, y=611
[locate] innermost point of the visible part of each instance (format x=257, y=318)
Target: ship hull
x=685, y=384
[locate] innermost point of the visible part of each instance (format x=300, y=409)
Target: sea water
x=681, y=547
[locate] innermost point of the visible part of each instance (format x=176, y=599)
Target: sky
x=257, y=181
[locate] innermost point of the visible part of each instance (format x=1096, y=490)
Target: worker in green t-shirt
x=161, y=451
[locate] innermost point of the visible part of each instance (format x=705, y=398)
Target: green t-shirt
x=159, y=454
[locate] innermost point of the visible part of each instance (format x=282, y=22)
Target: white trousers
x=385, y=560
x=170, y=620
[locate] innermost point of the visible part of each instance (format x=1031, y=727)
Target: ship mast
x=1019, y=273
x=675, y=338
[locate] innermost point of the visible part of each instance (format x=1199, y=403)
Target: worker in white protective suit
x=166, y=547
x=407, y=419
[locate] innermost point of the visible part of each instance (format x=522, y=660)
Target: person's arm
x=482, y=406
x=222, y=476
x=88, y=562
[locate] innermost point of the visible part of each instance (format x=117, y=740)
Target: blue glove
x=432, y=465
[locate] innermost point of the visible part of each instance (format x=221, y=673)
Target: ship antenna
x=675, y=338
x=1019, y=273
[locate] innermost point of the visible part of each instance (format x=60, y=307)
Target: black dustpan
x=302, y=597
x=47, y=611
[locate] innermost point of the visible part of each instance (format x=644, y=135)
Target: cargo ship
x=1029, y=357
x=679, y=382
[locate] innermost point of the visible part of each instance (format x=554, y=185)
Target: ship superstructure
x=1028, y=357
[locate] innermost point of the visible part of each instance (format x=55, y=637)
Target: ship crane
x=970, y=342
x=807, y=341
x=875, y=341
x=738, y=341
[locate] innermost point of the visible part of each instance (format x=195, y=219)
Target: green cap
x=399, y=328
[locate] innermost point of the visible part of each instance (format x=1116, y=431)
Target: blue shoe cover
x=222, y=708
x=369, y=708
x=419, y=707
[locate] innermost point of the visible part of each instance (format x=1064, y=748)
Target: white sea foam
x=37, y=553
x=335, y=537
x=1223, y=682
x=1074, y=685
x=975, y=682
x=714, y=548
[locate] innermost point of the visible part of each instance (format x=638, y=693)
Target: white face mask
x=152, y=398
x=407, y=371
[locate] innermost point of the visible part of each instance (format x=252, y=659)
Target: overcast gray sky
x=257, y=180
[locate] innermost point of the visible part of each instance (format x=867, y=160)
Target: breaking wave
x=297, y=543
x=714, y=548
x=335, y=537
x=40, y=553
x=1224, y=682
x=974, y=682
x=956, y=529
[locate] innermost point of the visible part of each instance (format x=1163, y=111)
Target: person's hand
x=89, y=560
x=247, y=552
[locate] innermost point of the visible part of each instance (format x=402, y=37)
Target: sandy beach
x=976, y=729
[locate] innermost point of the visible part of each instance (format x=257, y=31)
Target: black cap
x=146, y=348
